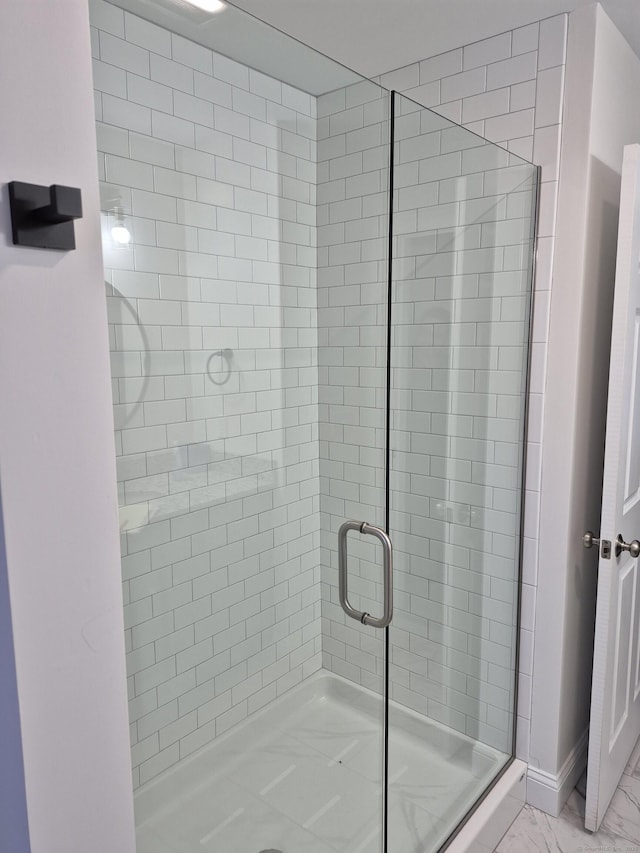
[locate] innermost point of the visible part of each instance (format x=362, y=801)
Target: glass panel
x=353, y=221
x=463, y=216
x=231, y=32
x=228, y=319
x=246, y=232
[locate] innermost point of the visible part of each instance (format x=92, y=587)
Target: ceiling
x=374, y=36
x=367, y=36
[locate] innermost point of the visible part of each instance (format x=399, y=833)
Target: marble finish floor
x=533, y=830
x=304, y=776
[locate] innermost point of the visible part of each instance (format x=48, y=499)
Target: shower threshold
x=304, y=774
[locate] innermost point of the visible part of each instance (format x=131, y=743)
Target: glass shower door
x=353, y=242
x=462, y=224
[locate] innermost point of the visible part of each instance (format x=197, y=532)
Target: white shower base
x=304, y=776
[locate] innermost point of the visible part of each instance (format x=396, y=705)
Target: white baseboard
x=549, y=792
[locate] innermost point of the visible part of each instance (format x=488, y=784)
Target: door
x=455, y=356
x=441, y=373
x=352, y=403
x=615, y=693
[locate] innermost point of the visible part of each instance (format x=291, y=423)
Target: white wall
x=601, y=116
x=56, y=458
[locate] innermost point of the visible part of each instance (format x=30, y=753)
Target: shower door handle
x=387, y=550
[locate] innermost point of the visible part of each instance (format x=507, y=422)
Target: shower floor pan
x=304, y=776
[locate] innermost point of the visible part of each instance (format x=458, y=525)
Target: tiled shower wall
x=460, y=324
x=462, y=246
x=353, y=228
x=510, y=90
x=214, y=168
x=212, y=312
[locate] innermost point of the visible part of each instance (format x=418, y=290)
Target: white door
x=615, y=692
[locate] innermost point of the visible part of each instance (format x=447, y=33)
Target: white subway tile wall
x=213, y=329
x=510, y=90
x=460, y=324
x=248, y=335
x=463, y=222
x=353, y=236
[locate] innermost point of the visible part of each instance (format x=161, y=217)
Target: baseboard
x=549, y=792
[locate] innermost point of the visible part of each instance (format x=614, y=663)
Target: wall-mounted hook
x=43, y=217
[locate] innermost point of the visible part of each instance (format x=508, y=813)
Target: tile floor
x=534, y=830
x=304, y=776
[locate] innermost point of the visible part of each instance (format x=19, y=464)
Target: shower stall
x=319, y=298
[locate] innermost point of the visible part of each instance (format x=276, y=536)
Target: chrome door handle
x=387, y=550
x=632, y=547
x=589, y=540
